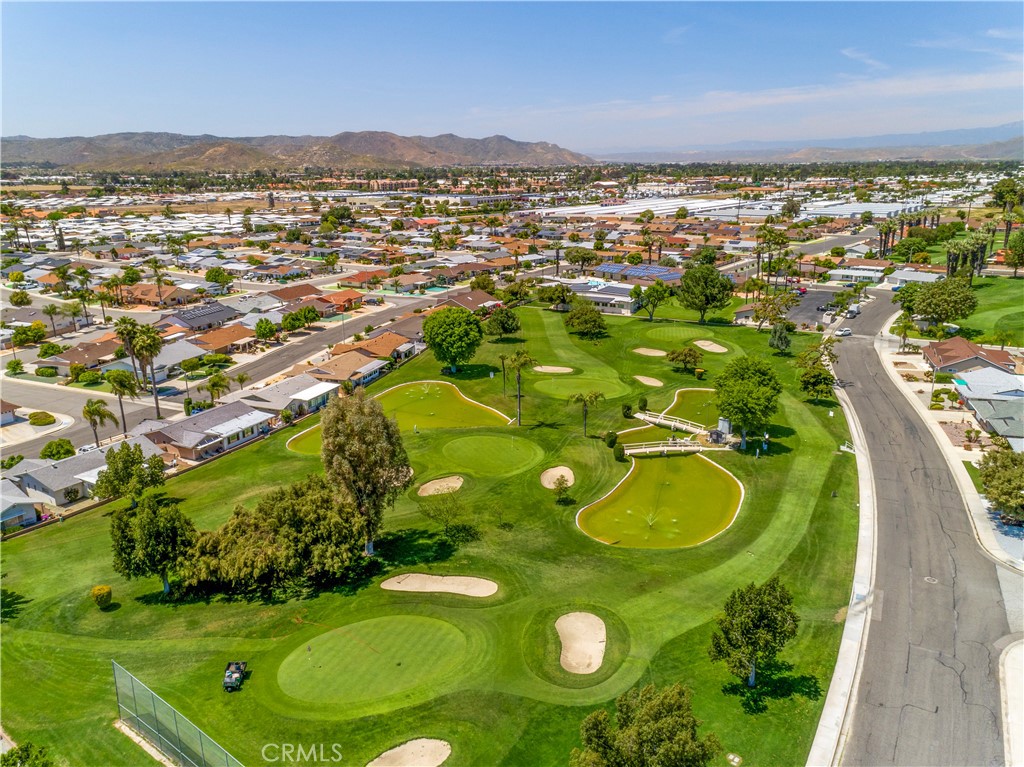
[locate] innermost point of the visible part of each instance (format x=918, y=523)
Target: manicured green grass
x=503, y=699
x=396, y=655
x=975, y=474
x=1000, y=307
x=665, y=503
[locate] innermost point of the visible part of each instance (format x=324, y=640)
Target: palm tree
x=216, y=385
x=72, y=311
x=586, y=400
x=519, y=360
x=556, y=244
x=503, y=358
x=147, y=345
x=62, y=273
x=903, y=327
x=123, y=384
x=126, y=328
x=97, y=414
x=241, y=380
x=158, y=277
x=51, y=311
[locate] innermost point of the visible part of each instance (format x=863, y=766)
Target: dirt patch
x=957, y=433
x=464, y=585
x=583, y=638
x=840, y=617
x=548, y=478
x=443, y=485
x=648, y=381
x=710, y=346
x=649, y=352
x=421, y=752
x=552, y=369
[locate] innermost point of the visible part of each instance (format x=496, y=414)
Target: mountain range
x=1001, y=142
x=358, y=150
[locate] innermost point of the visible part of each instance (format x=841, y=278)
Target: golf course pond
x=665, y=503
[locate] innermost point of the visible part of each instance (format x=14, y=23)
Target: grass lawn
x=665, y=503
x=480, y=673
x=975, y=474
x=98, y=386
x=1000, y=307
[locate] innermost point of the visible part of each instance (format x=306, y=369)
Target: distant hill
x=364, y=149
x=1002, y=142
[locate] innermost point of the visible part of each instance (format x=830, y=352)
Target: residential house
x=167, y=363
x=358, y=366
x=23, y=316
x=291, y=293
x=903, y=277
x=474, y=300
x=745, y=313
x=17, y=508
x=343, y=300
x=63, y=482
x=386, y=344
x=203, y=317
x=997, y=399
x=89, y=354
x=958, y=355
x=209, y=432
x=151, y=294
x=299, y=394
x=229, y=339
x=8, y=412
x=365, y=279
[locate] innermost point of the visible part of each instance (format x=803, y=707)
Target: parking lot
x=807, y=310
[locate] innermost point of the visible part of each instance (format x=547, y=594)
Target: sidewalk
x=986, y=529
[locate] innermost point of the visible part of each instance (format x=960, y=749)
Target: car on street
x=844, y=332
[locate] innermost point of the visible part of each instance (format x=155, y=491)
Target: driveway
x=929, y=689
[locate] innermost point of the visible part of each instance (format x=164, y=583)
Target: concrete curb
x=57, y=388
x=836, y=715
x=976, y=511
x=1011, y=685
x=66, y=421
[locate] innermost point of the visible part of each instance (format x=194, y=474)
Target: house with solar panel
x=641, y=273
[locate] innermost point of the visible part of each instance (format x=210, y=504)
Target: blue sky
x=587, y=76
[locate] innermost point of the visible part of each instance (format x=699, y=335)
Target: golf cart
x=234, y=673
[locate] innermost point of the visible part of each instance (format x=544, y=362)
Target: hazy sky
x=588, y=76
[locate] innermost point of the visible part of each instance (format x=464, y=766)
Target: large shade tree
x=453, y=334
x=363, y=453
x=747, y=393
x=152, y=539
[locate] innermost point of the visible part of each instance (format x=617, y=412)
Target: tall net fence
x=159, y=723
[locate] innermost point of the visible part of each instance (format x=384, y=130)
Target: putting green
x=491, y=456
x=435, y=406
x=372, y=659
x=562, y=386
x=418, y=406
x=665, y=503
x=675, y=332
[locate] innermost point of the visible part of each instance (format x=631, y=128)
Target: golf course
x=501, y=666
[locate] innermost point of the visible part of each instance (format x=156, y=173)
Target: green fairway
x=434, y=405
x=372, y=659
x=1000, y=308
x=665, y=503
x=483, y=674
x=492, y=456
x=697, y=405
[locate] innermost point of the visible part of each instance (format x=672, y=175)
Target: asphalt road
x=62, y=399
x=929, y=688
x=868, y=235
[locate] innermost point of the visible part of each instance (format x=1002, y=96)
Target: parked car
x=844, y=332
x=88, y=448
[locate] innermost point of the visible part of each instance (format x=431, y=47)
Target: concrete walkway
x=22, y=431
x=1011, y=678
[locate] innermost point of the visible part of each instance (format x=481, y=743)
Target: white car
x=844, y=332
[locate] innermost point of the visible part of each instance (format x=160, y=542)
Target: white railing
x=667, y=446
x=671, y=421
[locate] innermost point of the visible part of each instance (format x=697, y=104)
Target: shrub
x=102, y=596
x=89, y=378
x=627, y=410
x=641, y=403
x=72, y=494
x=819, y=328
x=188, y=405
x=216, y=359
x=368, y=329
x=46, y=372
x=75, y=371
x=943, y=377
x=620, y=452
x=41, y=418
x=699, y=373
x=611, y=438
x=286, y=416
x=57, y=449
x=48, y=349
x=15, y=367
x=935, y=406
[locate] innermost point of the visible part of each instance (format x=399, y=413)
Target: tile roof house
x=90, y=354
x=226, y=340
x=386, y=344
x=472, y=300
x=957, y=354
x=358, y=366
x=8, y=412
x=208, y=433
x=294, y=292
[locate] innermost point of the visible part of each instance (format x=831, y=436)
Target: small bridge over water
x=671, y=422
x=662, y=448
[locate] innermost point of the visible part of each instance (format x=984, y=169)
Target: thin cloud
x=863, y=58
x=675, y=35
x=1008, y=33
x=969, y=46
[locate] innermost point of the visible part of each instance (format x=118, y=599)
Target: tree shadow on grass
x=547, y=425
x=508, y=340
x=11, y=605
x=773, y=683
x=393, y=550
x=471, y=372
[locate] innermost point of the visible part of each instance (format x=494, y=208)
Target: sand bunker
x=583, y=639
x=710, y=346
x=465, y=585
x=649, y=352
x=443, y=485
x=422, y=752
x=552, y=369
x=648, y=381
x=549, y=476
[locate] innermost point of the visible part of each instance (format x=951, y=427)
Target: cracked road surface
x=929, y=686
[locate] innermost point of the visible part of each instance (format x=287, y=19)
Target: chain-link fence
x=159, y=723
